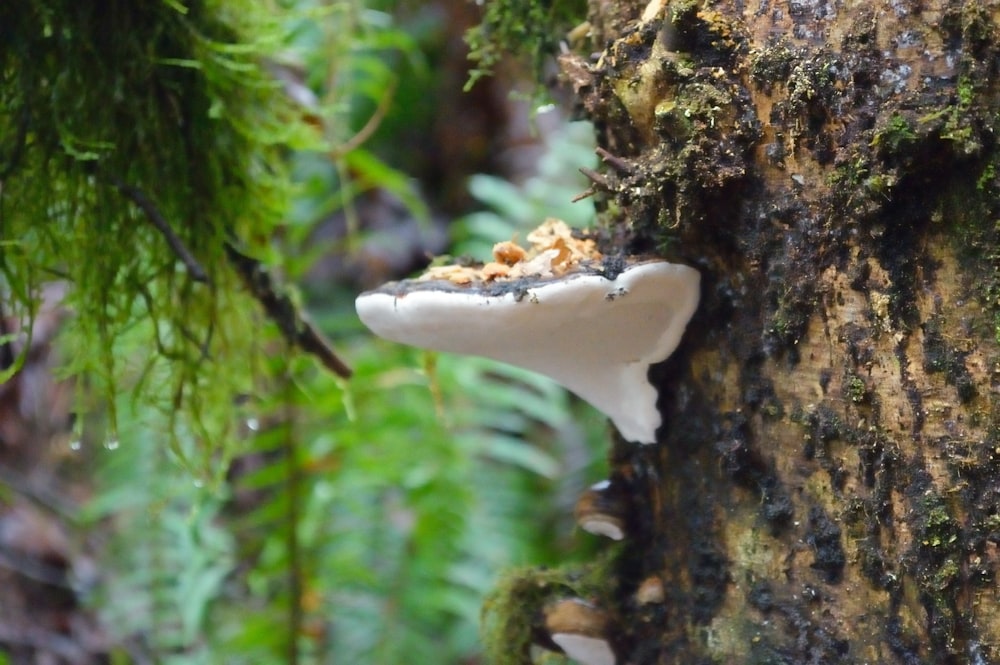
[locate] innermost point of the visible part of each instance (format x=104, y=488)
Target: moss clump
x=939, y=529
x=895, y=135
x=855, y=388
x=512, y=614
x=938, y=549
x=772, y=64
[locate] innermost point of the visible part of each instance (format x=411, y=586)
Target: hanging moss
x=136, y=140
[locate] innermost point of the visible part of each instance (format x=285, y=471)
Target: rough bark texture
x=826, y=488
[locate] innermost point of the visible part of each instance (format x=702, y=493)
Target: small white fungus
x=585, y=650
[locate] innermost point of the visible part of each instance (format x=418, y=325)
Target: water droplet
x=199, y=483
x=112, y=443
x=253, y=424
x=75, y=444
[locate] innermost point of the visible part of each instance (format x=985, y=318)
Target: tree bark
x=826, y=485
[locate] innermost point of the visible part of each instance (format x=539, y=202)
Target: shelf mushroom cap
x=600, y=510
x=585, y=650
x=580, y=630
x=595, y=336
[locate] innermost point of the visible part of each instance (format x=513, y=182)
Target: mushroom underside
x=595, y=336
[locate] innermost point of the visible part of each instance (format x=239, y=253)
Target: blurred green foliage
x=254, y=508
x=513, y=208
x=416, y=487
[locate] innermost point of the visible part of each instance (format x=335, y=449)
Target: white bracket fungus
x=585, y=650
x=580, y=630
x=600, y=511
x=594, y=333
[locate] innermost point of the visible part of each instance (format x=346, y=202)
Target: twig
x=370, y=126
x=6, y=349
x=293, y=515
x=36, y=570
x=156, y=218
x=292, y=322
x=614, y=162
x=596, y=178
x=43, y=496
x=44, y=641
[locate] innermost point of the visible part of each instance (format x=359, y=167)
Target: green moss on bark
x=512, y=615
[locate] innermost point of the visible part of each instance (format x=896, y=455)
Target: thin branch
x=156, y=218
x=617, y=163
x=147, y=299
x=34, y=569
x=293, y=515
x=373, y=123
x=292, y=322
x=39, y=494
x=6, y=347
x=45, y=642
x=596, y=178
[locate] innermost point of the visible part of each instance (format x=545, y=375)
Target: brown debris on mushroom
x=553, y=251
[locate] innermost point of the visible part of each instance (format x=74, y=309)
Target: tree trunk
x=825, y=488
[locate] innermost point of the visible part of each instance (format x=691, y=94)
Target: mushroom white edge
x=585, y=650
x=602, y=526
x=595, y=336
x=599, y=514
